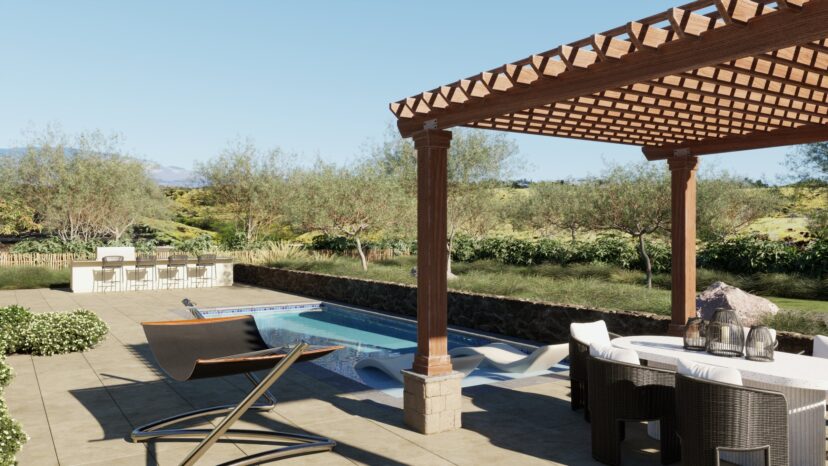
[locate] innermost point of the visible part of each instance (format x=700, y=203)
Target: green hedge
x=608, y=249
x=753, y=254
x=744, y=255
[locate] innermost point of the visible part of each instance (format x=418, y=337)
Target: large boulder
x=749, y=308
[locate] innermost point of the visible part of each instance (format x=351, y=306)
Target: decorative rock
x=748, y=307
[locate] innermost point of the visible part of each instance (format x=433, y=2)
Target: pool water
x=364, y=334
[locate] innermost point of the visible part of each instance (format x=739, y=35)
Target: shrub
x=63, y=332
x=55, y=245
x=12, y=436
x=197, y=245
x=754, y=254
x=6, y=373
x=809, y=323
x=13, y=319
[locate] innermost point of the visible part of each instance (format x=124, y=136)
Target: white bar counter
x=88, y=276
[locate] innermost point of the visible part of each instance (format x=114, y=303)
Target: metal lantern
x=695, y=334
x=725, y=334
x=760, y=344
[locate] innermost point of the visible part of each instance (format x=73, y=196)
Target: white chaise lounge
x=820, y=346
x=393, y=366
x=509, y=359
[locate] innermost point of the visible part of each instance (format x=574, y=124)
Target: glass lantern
x=760, y=344
x=695, y=334
x=725, y=334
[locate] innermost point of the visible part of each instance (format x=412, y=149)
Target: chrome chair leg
x=306, y=443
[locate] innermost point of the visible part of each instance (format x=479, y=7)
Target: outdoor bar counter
x=89, y=276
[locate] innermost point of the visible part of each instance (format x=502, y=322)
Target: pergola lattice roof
x=710, y=76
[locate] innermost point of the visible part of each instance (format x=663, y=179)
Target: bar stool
x=113, y=265
x=145, y=264
x=177, y=268
x=205, y=270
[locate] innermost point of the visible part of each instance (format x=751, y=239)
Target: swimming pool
x=364, y=334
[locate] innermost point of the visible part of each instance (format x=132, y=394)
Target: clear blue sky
x=179, y=79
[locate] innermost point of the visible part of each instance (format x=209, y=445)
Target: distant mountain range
x=165, y=175
x=170, y=175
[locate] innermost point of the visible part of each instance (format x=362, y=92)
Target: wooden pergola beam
x=763, y=34
x=804, y=134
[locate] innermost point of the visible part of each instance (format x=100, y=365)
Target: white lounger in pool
x=509, y=359
x=393, y=366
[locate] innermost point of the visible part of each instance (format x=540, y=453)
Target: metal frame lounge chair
x=715, y=417
x=393, y=366
x=620, y=392
x=507, y=358
x=203, y=348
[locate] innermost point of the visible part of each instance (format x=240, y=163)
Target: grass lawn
x=15, y=278
x=588, y=285
x=808, y=305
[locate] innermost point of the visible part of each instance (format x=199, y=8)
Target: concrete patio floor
x=78, y=408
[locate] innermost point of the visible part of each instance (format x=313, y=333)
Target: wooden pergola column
x=683, y=191
x=432, y=158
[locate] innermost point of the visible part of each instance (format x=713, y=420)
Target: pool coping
x=370, y=393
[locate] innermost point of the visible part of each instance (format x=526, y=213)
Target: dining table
x=802, y=379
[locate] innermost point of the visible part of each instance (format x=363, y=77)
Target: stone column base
x=432, y=404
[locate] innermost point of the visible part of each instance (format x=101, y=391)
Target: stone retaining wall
x=518, y=318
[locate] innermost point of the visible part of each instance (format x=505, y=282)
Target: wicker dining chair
x=620, y=392
x=578, y=376
x=714, y=417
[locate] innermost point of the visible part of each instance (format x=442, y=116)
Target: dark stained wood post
x=432, y=157
x=683, y=186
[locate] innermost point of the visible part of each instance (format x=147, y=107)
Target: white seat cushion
x=821, y=346
x=607, y=351
x=590, y=332
x=708, y=372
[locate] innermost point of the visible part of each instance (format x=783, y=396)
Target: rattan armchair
x=620, y=392
x=715, y=417
x=578, y=376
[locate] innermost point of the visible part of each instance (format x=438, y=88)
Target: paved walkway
x=78, y=408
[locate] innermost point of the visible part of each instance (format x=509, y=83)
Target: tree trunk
x=250, y=229
x=648, y=265
x=572, y=231
x=449, y=246
x=362, y=258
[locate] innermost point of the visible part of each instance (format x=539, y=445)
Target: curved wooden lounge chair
x=202, y=348
x=509, y=359
x=393, y=366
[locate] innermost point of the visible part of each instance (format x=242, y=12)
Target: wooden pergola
x=708, y=77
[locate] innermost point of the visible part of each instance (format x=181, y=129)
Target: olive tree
x=16, y=218
x=478, y=161
x=726, y=204
x=810, y=162
x=248, y=184
x=347, y=201
x=83, y=187
x=564, y=205
x=634, y=200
